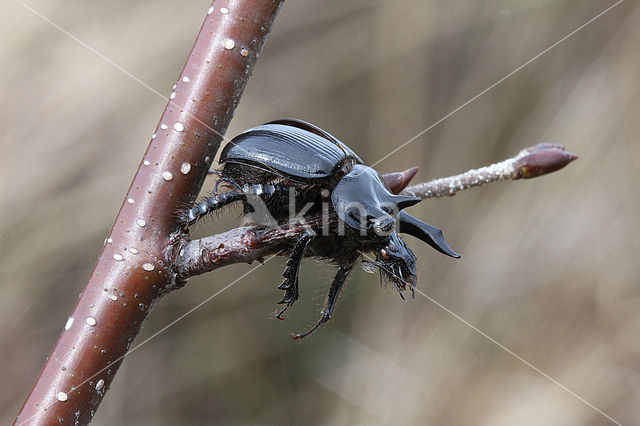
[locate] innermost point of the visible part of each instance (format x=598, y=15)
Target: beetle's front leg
x=291, y=273
x=332, y=298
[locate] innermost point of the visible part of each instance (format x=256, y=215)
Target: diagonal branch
x=135, y=266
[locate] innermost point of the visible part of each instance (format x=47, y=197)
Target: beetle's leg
x=215, y=202
x=332, y=297
x=400, y=290
x=290, y=274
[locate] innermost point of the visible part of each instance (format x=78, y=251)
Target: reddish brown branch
x=244, y=245
x=134, y=267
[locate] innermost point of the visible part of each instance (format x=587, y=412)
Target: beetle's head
x=396, y=263
x=363, y=202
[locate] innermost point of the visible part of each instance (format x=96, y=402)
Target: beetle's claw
x=286, y=284
x=400, y=291
x=287, y=299
x=324, y=318
x=291, y=291
x=278, y=315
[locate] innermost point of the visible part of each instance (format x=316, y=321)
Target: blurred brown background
x=550, y=266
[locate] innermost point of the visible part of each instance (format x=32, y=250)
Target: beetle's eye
x=346, y=166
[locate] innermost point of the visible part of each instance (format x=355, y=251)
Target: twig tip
x=541, y=159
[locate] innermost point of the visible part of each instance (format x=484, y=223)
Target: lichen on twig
x=531, y=162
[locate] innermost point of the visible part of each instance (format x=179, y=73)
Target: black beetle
x=287, y=163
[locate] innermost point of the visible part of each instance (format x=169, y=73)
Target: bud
x=541, y=159
x=397, y=181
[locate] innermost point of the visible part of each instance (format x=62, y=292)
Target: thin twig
x=531, y=162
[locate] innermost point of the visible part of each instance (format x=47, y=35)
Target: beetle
x=287, y=163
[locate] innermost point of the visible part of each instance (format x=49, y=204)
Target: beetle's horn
x=427, y=233
x=403, y=201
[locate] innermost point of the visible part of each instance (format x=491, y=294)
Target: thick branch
x=247, y=244
x=244, y=245
x=135, y=266
x=531, y=162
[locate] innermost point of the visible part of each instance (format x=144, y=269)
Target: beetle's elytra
x=290, y=164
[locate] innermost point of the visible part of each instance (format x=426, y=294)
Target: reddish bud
x=397, y=181
x=544, y=145
x=542, y=159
